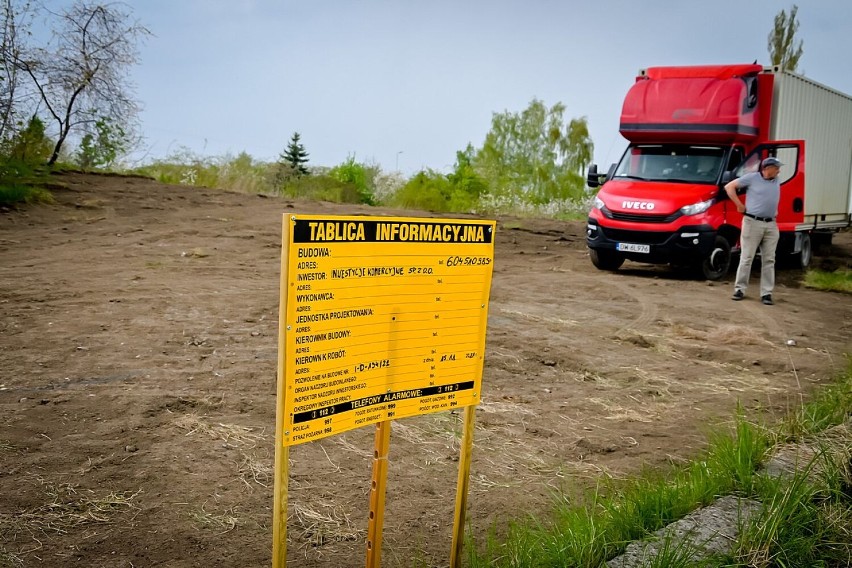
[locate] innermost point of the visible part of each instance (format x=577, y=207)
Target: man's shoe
x=738, y=295
x=767, y=299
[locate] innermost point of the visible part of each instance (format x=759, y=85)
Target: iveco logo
x=637, y=205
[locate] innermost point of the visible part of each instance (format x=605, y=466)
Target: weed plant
x=829, y=406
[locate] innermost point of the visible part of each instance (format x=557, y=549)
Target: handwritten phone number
x=468, y=261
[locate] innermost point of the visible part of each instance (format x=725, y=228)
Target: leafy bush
x=427, y=190
x=101, y=148
x=459, y=191
x=357, y=175
x=322, y=188
x=23, y=158
x=30, y=145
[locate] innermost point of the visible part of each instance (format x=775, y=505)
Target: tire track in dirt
x=647, y=305
x=647, y=309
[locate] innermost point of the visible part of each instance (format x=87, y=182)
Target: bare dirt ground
x=138, y=341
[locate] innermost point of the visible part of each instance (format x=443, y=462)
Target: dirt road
x=138, y=327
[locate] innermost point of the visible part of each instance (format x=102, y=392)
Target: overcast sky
x=408, y=83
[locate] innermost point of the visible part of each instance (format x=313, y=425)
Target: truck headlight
x=697, y=208
x=599, y=204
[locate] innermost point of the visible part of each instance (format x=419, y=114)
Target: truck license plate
x=630, y=247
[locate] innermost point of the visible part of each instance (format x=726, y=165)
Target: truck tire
x=716, y=265
x=807, y=253
x=604, y=259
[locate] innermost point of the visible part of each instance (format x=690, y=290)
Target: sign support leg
x=377, y=494
x=462, y=488
x=282, y=452
x=279, y=507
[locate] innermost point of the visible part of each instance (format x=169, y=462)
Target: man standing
x=759, y=227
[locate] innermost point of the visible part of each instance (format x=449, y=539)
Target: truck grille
x=643, y=218
x=639, y=237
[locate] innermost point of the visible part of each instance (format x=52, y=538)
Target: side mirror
x=593, y=178
x=727, y=176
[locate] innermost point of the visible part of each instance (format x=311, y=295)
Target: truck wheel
x=806, y=254
x=715, y=266
x=604, y=259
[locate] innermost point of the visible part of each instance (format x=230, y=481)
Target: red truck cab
x=690, y=131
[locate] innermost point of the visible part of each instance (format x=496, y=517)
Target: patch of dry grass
x=321, y=522
x=736, y=335
x=197, y=252
x=350, y=447
x=255, y=469
x=9, y=559
x=67, y=507
x=221, y=523
x=239, y=436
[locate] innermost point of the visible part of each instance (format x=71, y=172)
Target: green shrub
x=322, y=188
x=30, y=145
x=358, y=176
x=101, y=148
x=426, y=190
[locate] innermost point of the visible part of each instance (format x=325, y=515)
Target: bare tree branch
x=82, y=75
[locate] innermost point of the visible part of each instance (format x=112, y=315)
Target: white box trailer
x=803, y=109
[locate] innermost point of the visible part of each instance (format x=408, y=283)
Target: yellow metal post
x=377, y=494
x=282, y=452
x=462, y=487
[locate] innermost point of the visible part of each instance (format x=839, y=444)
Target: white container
x=805, y=109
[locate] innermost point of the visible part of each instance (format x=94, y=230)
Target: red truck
x=693, y=129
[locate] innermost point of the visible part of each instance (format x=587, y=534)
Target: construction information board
x=384, y=318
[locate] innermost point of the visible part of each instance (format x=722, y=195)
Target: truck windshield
x=678, y=163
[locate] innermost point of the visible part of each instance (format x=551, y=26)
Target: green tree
x=784, y=51
x=530, y=155
x=580, y=146
x=102, y=147
x=467, y=185
x=295, y=156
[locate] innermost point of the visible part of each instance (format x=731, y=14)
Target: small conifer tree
x=295, y=156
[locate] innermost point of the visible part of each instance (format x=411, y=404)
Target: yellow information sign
x=385, y=318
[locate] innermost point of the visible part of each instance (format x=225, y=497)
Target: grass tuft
x=222, y=523
x=838, y=281
x=320, y=522
x=12, y=194
x=238, y=436
x=739, y=455
x=829, y=406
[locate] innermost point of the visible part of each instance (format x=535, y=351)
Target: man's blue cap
x=771, y=162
